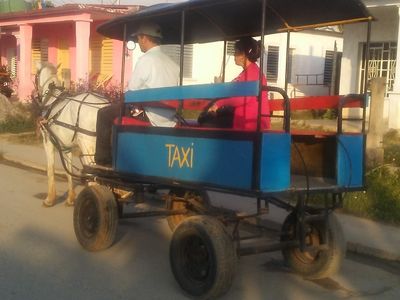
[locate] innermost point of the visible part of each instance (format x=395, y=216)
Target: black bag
x=222, y=118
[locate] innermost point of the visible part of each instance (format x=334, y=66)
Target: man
x=154, y=69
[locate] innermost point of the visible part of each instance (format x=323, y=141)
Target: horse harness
x=46, y=121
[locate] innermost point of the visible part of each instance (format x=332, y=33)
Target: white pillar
x=394, y=97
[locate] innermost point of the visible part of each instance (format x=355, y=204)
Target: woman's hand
x=213, y=108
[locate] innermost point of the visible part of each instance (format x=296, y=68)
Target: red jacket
x=246, y=108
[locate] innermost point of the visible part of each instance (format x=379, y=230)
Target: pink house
x=65, y=36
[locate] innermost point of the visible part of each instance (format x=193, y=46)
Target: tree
x=38, y=4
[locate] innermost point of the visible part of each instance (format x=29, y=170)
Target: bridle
x=42, y=99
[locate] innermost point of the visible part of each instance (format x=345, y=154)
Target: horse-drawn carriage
x=267, y=164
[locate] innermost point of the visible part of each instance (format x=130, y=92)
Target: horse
x=65, y=122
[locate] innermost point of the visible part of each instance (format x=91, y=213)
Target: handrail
x=342, y=104
x=200, y=91
x=286, y=119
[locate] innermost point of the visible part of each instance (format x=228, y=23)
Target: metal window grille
x=173, y=51
x=382, y=63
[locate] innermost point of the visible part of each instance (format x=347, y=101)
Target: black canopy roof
x=216, y=20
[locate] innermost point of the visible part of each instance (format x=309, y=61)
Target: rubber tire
x=219, y=251
x=95, y=218
x=326, y=262
x=175, y=220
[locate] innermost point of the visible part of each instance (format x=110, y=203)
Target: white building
x=384, y=52
x=310, y=61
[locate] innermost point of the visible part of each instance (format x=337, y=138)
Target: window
x=230, y=48
x=328, y=67
x=382, y=63
x=289, y=67
x=272, y=63
x=101, y=56
x=63, y=59
x=39, y=52
x=12, y=64
x=173, y=51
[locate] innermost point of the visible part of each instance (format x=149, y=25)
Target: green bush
x=391, y=145
x=381, y=201
x=17, y=124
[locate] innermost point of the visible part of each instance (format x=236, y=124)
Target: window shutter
x=101, y=56
x=39, y=52
x=173, y=51
x=272, y=63
x=230, y=48
x=62, y=57
x=106, y=56
x=328, y=67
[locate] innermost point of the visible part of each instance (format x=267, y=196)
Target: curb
x=372, y=252
x=29, y=165
x=351, y=247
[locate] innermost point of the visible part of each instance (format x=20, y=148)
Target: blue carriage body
x=221, y=158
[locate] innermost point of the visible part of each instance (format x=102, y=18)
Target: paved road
x=41, y=259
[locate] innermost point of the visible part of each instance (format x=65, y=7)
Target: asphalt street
x=40, y=258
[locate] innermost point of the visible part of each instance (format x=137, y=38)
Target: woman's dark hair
x=250, y=47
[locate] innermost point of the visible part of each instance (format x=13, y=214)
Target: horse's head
x=46, y=76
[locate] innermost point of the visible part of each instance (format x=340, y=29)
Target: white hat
x=151, y=29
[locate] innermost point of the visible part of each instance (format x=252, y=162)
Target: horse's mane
x=52, y=68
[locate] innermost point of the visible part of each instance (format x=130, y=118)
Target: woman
x=247, y=51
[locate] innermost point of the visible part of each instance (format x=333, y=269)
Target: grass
x=391, y=146
x=20, y=119
x=381, y=200
x=17, y=124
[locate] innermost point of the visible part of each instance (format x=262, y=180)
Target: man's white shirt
x=154, y=69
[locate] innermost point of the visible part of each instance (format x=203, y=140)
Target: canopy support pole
x=257, y=141
x=181, y=62
x=366, y=73
x=224, y=61
x=122, y=86
x=287, y=60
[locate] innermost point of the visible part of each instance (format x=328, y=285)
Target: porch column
x=394, y=97
x=24, y=44
x=82, y=51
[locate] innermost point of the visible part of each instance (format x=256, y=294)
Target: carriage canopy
x=217, y=20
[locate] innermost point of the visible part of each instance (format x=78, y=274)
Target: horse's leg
x=71, y=191
x=51, y=187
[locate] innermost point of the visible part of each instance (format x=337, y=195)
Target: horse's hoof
x=69, y=204
x=45, y=204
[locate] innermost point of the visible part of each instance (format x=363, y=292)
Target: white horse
x=65, y=122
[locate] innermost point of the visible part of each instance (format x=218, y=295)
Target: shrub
x=17, y=124
x=391, y=145
x=381, y=201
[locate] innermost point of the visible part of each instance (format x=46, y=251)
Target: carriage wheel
x=201, y=200
x=95, y=218
x=203, y=257
x=315, y=263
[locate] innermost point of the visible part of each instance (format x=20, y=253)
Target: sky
x=132, y=2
